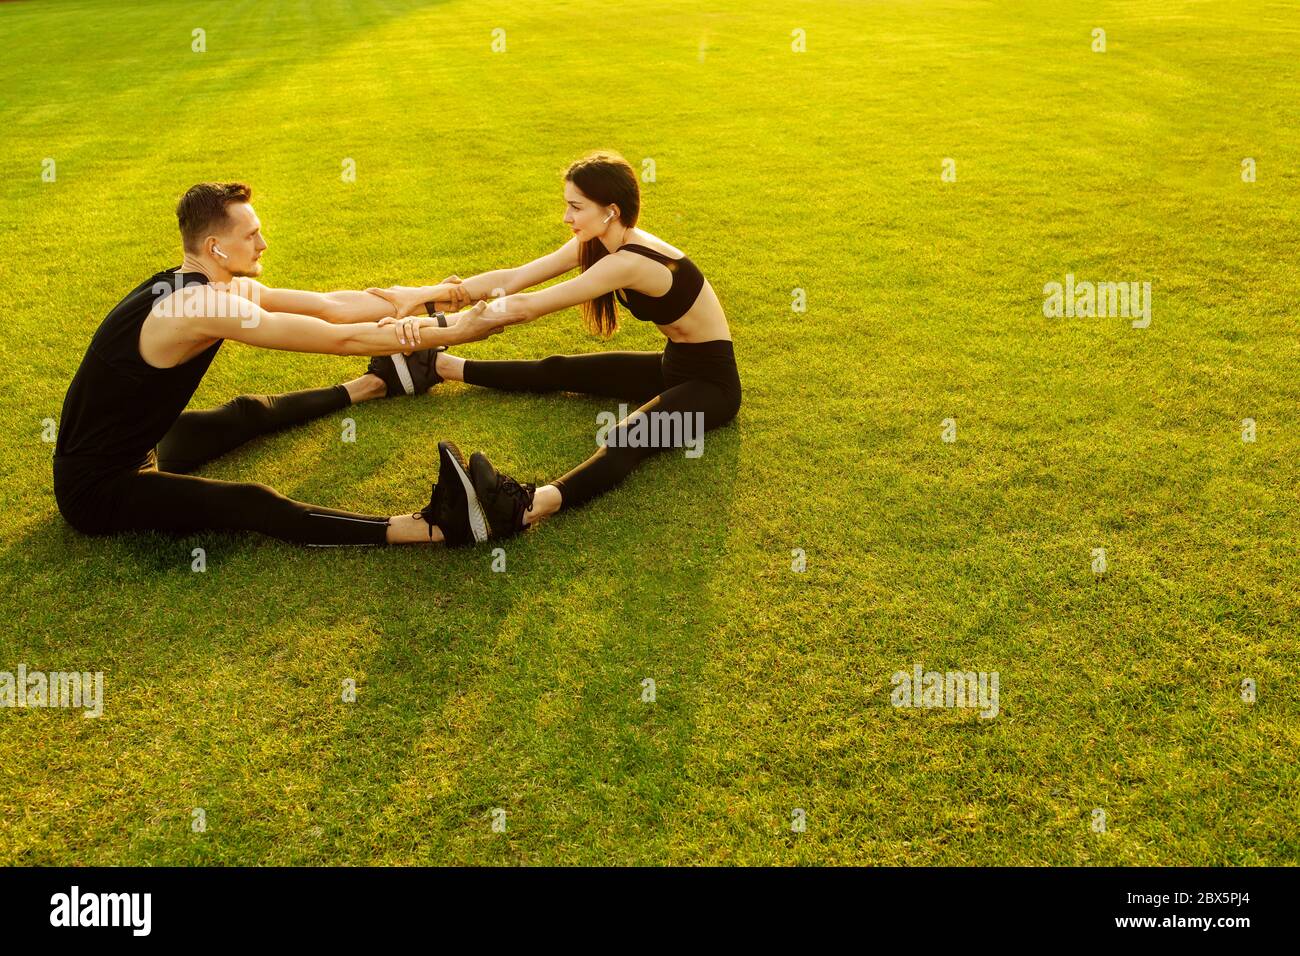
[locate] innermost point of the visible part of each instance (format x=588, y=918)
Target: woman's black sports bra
x=664, y=309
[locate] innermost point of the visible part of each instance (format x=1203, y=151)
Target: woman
x=695, y=375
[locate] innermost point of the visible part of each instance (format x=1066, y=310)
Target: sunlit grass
x=776, y=170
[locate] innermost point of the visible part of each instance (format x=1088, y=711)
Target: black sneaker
x=454, y=507
x=504, y=500
x=412, y=374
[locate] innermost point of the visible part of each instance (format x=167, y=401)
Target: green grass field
x=776, y=170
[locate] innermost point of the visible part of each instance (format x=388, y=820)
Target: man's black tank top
x=664, y=309
x=119, y=406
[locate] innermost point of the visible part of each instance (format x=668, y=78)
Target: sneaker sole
x=477, y=520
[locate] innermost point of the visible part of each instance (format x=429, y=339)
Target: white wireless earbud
x=217, y=250
x=609, y=217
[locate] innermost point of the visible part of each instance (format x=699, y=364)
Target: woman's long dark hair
x=607, y=178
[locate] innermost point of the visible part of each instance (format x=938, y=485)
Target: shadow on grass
x=536, y=704
x=478, y=689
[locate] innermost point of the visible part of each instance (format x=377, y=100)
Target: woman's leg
x=668, y=421
x=202, y=435
x=704, y=394
x=677, y=418
x=631, y=376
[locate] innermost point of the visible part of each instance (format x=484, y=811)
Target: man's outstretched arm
x=342, y=307
x=224, y=316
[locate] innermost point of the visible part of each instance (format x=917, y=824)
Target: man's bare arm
x=220, y=315
x=342, y=307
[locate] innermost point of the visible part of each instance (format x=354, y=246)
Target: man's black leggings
x=157, y=496
x=697, y=379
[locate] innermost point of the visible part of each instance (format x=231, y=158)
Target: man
x=125, y=441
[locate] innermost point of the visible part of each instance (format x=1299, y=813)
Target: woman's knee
x=551, y=370
x=732, y=409
x=731, y=406
x=722, y=409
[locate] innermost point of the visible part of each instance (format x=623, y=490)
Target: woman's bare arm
x=409, y=300
x=610, y=273
x=508, y=281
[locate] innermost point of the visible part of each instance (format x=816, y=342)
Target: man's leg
x=152, y=500
x=199, y=436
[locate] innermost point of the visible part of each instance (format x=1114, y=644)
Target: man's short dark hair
x=202, y=210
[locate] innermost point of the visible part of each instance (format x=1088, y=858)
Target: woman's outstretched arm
x=610, y=273
x=508, y=281
x=499, y=282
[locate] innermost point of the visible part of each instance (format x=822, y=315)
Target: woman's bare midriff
x=705, y=322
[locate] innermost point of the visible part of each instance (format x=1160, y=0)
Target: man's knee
x=253, y=409
x=254, y=494
x=173, y=464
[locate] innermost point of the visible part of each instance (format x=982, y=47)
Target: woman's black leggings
x=682, y=392
x=156, y=496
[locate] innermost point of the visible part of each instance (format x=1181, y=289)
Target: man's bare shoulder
x=207, y=300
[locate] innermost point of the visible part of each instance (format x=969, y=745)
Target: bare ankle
x=412, y=529
x=365, y=388
x=546, y=501
x=450, y=367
